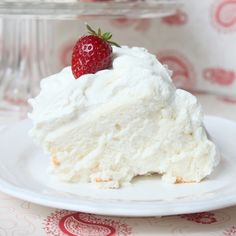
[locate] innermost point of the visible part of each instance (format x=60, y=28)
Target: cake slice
x=113, y=125
x=109, y=126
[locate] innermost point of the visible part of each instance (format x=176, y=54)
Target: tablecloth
x=21, y=218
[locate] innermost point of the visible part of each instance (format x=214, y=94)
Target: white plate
x=23, y=174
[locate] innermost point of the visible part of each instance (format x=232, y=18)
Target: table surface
x=21, y=218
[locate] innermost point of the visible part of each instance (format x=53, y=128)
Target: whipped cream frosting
x=122, y=122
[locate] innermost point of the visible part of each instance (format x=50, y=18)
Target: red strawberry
x=92, y=53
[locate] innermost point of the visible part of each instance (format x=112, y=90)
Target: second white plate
x=23, y=174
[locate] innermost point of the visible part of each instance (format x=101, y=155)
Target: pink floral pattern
x=224, y=15
x=228, y=100
x=230, y=232
x=179, y=18
x=201, y=218
x=183, y=74
x=69, y=223
x=219, y=76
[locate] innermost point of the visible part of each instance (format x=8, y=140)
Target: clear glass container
x=67, y=9
x=27, y=39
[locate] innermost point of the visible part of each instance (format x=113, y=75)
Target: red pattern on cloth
x=179, y=18
x=183, y=73
x=224, y=15
x=70, y=223
x=201, y=218
x=220, y=76
x=230, y=232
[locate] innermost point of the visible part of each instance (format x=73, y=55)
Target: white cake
x=113, y=125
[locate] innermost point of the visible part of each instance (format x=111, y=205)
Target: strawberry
x=92, y=53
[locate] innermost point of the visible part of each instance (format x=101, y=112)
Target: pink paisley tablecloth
x=21, y=218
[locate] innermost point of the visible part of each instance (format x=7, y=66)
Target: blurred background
x=197, y=41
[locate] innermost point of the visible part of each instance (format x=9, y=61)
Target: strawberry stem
x=99, y=32
x=91, y=31
x=113, y=43
x=105, y=36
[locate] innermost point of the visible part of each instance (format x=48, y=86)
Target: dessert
x=121, y=122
